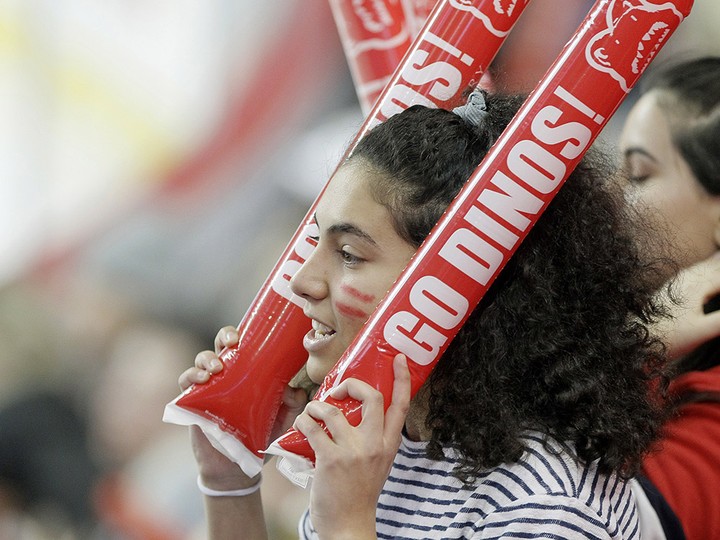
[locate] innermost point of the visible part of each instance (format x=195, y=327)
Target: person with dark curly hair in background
x=538, y=413
x=671, y=147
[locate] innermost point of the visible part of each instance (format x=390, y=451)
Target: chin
x=316, y=371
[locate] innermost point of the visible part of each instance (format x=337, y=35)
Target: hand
x=216, y=470
x=352, y=466
x=690, y=326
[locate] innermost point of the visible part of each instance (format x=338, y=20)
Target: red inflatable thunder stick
x=501, y=201
x=237, y=408
x=375, y=37
x=417, y=12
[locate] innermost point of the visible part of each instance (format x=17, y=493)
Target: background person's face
x=664, y=187
x=358, y=257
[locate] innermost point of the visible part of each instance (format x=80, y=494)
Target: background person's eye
x=638, y=178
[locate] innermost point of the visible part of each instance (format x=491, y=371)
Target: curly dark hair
x=559, y=342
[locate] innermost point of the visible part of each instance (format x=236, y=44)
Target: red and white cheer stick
x=501, y=201
x=417, y=12
x=375, y=36
x=237, y=408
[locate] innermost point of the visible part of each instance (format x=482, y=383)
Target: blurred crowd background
x=155, y=159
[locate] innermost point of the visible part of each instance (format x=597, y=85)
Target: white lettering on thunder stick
x=446, y=79
x=480, y=249
x=302, y=250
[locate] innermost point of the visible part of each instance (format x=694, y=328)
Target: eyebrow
x=348, y=228
x=638, y=150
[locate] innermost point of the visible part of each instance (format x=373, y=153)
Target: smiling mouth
x=321, y=331
x=317, y=337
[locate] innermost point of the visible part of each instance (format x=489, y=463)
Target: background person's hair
x=559, y=342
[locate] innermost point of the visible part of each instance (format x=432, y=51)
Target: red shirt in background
x=685, y=467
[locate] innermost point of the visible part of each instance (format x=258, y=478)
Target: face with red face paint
x=358, y=257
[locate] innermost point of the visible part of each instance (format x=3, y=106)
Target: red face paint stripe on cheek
x=350, y=311
x=352, y=291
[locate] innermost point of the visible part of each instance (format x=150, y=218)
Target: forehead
x=348, y=200
x=348, y=197
x=646, y=126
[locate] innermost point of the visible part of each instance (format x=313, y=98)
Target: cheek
x=351, y=311
x=358, y=294
x=653, y=203
x=356, y=303
x=674, y=208
x=686, y=232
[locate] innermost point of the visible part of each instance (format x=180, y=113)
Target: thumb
x=294, y=398
x=293, y=403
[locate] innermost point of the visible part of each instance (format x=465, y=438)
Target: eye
x=635, y=173
x=638, y=178
x=639, y=168
x=348, y=258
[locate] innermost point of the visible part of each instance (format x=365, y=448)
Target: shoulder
x=697, y=381
x=685, y=460
x=549, y=490
x=546, y=490
x=684, y=466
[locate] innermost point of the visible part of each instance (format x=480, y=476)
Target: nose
x=310, y=281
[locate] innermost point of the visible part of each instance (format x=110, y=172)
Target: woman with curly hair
x=538, y=412
x=671, y=147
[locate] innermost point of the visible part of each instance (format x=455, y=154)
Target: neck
x=417, y=415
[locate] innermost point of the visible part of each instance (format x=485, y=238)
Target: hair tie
x=475, y=110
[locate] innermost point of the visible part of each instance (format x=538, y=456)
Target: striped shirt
x=546, y=494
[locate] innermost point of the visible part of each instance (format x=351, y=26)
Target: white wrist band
x=230, y=493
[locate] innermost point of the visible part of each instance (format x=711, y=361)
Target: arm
x=230, y=517
x=690, y=326
x=352, y=466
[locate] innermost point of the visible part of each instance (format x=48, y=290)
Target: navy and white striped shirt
x=544, y=495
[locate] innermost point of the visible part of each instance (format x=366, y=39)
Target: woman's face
x=662, y=183
x=357, y=259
